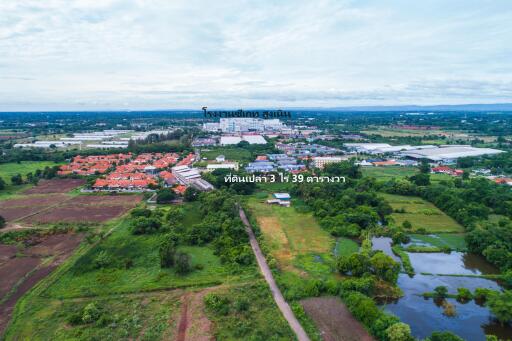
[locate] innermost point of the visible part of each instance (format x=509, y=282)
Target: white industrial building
x=449, y=153
x=240, y=125
x=232, y=140
x=321, y=161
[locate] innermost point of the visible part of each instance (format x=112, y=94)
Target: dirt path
x=184, y=319
x=276, y=293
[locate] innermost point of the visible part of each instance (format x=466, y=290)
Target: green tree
x=165, y=195
x=2, y=222
x=16, y=179
x=464, y=295
x=424, y=167
x=440, y=292
x=385, y=267
x=407, y=224
x=167, y=253
x=444, y=336
x=142, y=225
x=500, y=304
x=191, y=194
x=2, y=184
x=182, y=263
x=399, y=332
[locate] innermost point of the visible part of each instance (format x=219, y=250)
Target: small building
x=220, y=158
x=228, y=165
x=282, y=196
x=321, y=161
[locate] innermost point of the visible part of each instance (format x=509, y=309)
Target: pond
x=424, y=316
x=471, y=322
x=459, y=263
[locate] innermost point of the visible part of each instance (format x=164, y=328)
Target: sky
x=163, y=54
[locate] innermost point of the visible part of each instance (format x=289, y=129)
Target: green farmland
x=421, y=214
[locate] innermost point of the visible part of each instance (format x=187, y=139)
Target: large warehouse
x=449, y=153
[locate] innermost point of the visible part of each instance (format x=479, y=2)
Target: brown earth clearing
x=333, y=320
x=28, y=265
x=55, y=186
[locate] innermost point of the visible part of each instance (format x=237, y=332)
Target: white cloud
x=88, y=54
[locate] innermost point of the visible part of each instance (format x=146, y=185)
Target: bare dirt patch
x=194, y=325
x=55, y=186
x=14, y=270
x=34, y=200
x=333, y=320
x=7, y=252
x=19, y=274
x=106, y=200
x=84, y=214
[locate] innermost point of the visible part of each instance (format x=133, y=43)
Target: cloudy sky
x=121, y=54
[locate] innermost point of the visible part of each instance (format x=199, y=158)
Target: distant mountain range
x=443, y=107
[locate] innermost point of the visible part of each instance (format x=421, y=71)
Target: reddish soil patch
x=184, y=320
x=55, y=186
x=70, y=213
x=333, y=320
x=16, y=269
x=7, y=252
x=87, y=208
x=106, y=200
x=34, y=200
x=15, y=213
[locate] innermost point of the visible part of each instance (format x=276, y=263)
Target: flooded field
x=459, y=263
x=472, y=321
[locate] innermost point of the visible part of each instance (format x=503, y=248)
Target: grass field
x=231, y=153
x=128, y=317
x=7, y=170
x=345, y=247
x=247, y=312
x=390, y=172
x=387, y=173
x=295, y=239
x=421, y=214
x=145, y=274
x=452, y=240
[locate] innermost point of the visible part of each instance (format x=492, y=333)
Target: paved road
x=276, y=293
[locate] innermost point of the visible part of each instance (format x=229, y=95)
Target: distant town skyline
x=115, y=55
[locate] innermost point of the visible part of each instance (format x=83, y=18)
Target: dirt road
x=276, y=293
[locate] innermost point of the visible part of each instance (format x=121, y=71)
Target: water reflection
x=472, y=321
x=458, y=263
x=384, y=244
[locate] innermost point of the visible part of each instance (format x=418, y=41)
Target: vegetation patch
x=420, y=214
x=246, y=312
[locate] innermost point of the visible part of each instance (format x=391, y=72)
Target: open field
x=231, y=153
x=55, y=186
x=291, y=234
x=87, y=208
x=7, y=170
x=151, y=316
x=247, y=312
x=144, y=273
x=333, y=319
x=421, y=214
x=389, y=172
x=23, y=267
